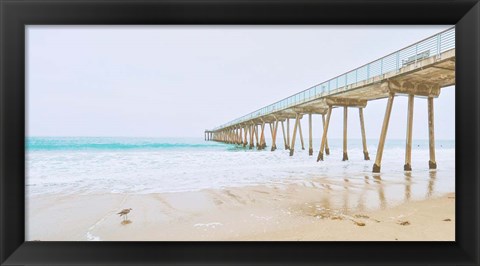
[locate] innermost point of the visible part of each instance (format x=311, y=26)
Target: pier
x=418, y=71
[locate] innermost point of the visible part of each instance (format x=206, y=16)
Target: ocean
x=84, y=165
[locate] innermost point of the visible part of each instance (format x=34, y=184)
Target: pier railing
x=429, y=47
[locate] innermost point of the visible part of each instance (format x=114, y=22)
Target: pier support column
x=288, y=133
x=245, y=131
x=408, y=146
x=364, y=138
x=262, y=137
x=310, y=142
x=432, y=164
x=273, y=129
x=292, y=147
x=327, y=150
x=324, y=137
x=271, y=133
x=284, y=137
x=345, y=116
x=235, y=135
x=256, y=136
x=252, y=132
x=239, y=136
x=383, y=135
x=300, y=130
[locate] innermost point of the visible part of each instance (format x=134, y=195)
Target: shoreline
x=290, y=212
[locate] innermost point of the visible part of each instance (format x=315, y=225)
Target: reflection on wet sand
x=377, y=191
x=345, y=193
x=431, y=183
x=381, y=192
x=361, y=198
x=408, y=185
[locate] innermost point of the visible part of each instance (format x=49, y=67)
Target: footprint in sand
x=447, y=220
x=217, y=201
x=358, y=223
x=361, y=216
x=365, y=217
x=403, y=222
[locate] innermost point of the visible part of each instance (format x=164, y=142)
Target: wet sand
x=351, y=210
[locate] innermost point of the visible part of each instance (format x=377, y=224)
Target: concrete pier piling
x=273, y=129
x=252, y=133
x=276, y=132
x=300, y=131
x=327, y=150
x=364, y=138
x=297, y=121
x=257, y=143
x=408, y=145
x=245, y=133
x=239, y=136
x=432, y=164
x=288, y=134
x=324, y=137
x=345, y=116
x=284, y=137
x=383, y=135
x=310, y=141
x=262, y=137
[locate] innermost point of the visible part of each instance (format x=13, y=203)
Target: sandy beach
x=285, y=212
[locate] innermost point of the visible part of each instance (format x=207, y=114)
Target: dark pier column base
x=432, y=165
x=407, y=167
x=345, y=157
x=310, y=151
x=376, y=168
x=327, y=151
x=320, y=157
x=366, y=156
x=291, y=152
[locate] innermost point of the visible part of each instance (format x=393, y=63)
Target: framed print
x=239, y=132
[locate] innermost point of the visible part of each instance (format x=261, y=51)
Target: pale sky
x=177, y=81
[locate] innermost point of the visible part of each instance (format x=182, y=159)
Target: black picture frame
x=15, y=14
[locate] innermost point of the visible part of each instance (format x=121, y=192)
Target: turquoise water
x=124, y=143
x=109, y=143
x=154, y=165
